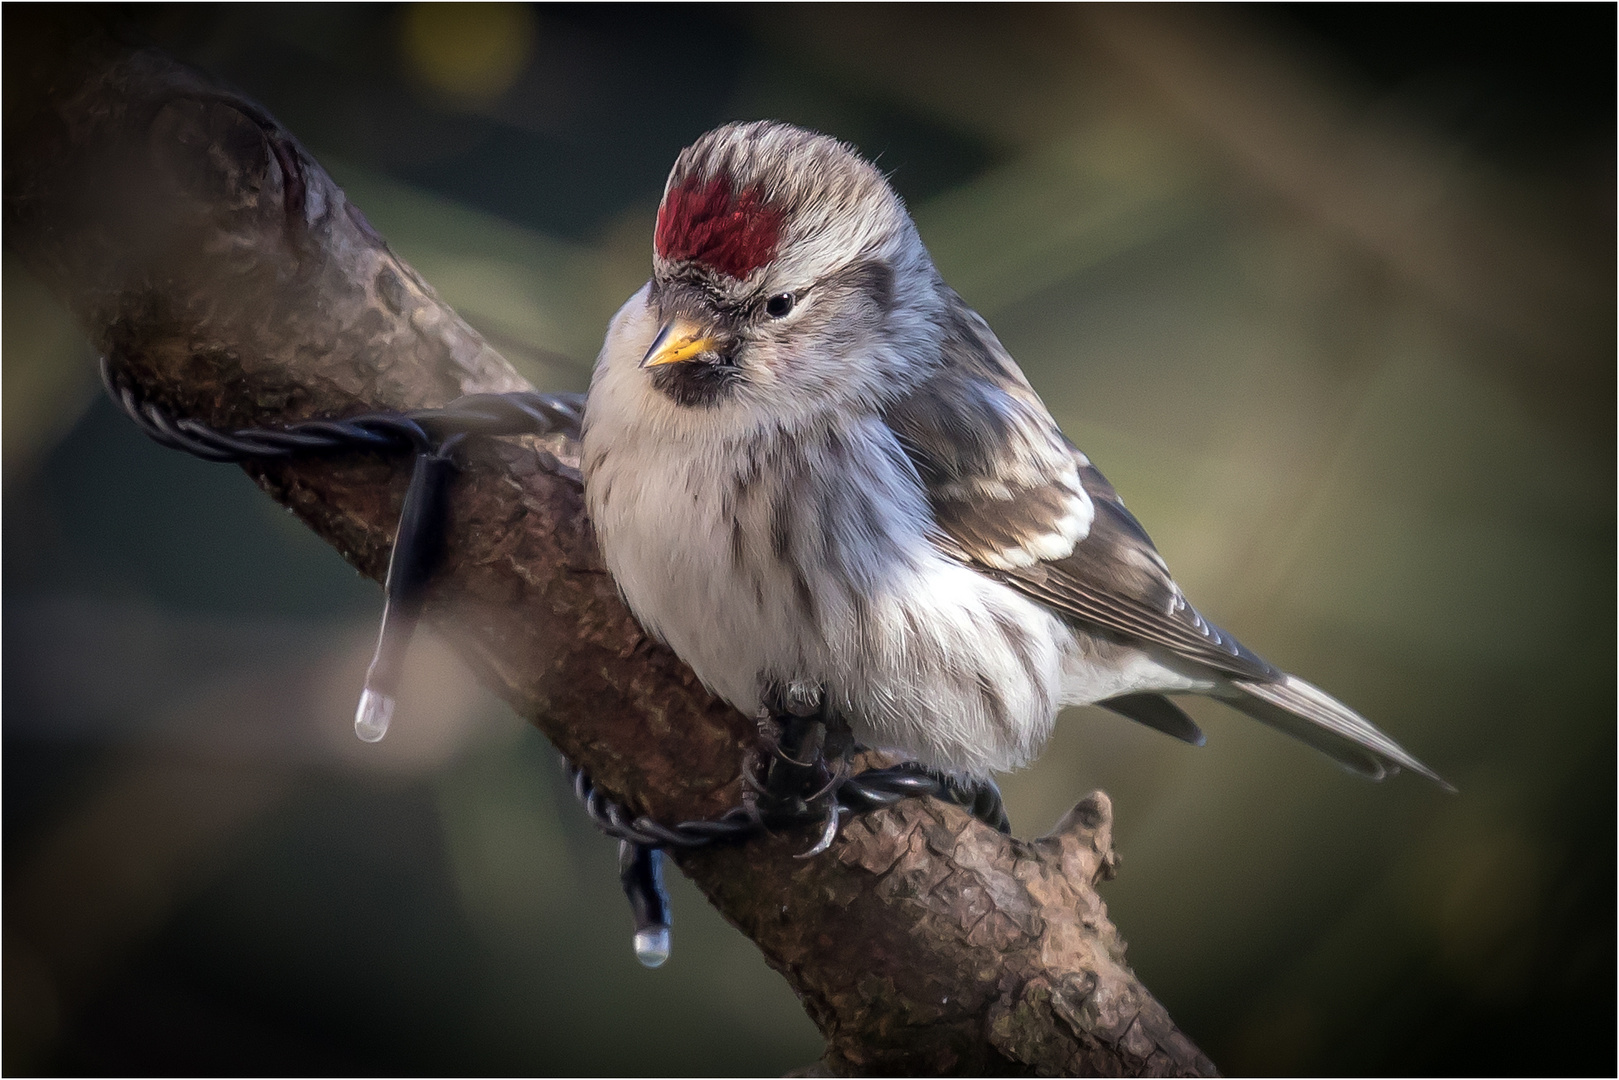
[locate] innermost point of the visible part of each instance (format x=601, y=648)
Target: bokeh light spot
x=469, y=53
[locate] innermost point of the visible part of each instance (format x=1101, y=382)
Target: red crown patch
x=709, y=224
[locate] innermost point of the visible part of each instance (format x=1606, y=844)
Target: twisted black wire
x=418, y=430
x=863, y=792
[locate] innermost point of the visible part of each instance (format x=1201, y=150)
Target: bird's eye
x=777, y=307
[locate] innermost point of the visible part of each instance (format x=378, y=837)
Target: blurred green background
x=1327, y=292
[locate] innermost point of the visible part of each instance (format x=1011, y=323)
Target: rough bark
x=227, y=274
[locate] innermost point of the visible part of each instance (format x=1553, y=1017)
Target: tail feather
x=1292, y=705
x=1157, y=711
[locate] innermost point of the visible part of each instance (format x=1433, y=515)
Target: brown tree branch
x=230, y=278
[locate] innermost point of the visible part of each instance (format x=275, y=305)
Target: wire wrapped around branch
x=419, y=430
x=864, y=791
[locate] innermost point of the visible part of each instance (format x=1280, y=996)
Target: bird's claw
x=750, y=770
x=830, y=833
x=840, y=773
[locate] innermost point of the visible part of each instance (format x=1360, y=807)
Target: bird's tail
x=1292, y=705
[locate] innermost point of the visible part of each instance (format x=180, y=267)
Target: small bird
x=812, y=468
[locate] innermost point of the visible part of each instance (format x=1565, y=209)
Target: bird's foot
x=809, y=749
x=807, y=757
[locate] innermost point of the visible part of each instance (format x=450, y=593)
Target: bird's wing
x=1014, y=498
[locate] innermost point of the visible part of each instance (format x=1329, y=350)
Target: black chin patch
x=697, y=383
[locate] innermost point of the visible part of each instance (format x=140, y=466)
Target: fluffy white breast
x=653, y=474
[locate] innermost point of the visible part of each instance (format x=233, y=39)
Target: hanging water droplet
x=371, y=718
x=652, y=946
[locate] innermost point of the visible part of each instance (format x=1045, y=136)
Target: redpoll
x=815, y=471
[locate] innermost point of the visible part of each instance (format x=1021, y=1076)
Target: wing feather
x=1014, y=498
x=1116, y=581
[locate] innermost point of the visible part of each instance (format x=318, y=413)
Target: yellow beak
x=680, y=339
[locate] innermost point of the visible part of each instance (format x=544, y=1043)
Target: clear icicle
x=640, y=871
x=418, y=548
x=652, y=946
x=372, y=717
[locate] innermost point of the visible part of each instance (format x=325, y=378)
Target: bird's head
x=787, y=278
